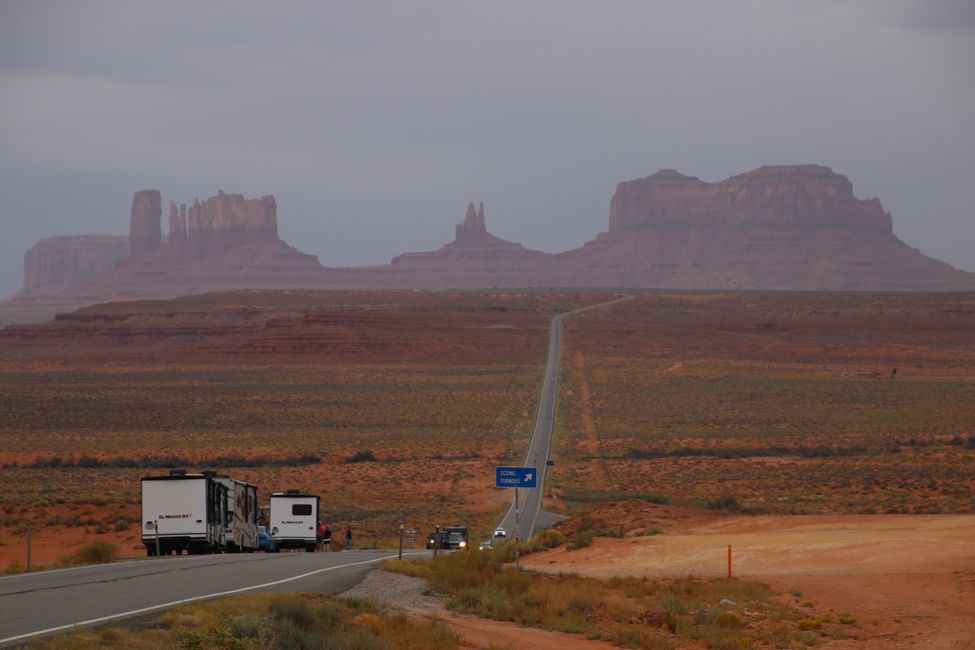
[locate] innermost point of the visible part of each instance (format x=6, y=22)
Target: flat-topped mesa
x=58, y=262
x=473, y=228
x=145, y=231
x=792, y=196
x=224, y=221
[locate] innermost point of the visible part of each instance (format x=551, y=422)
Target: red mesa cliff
x=777, y=227
x=796, y=227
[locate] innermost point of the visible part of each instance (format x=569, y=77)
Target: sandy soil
x=909, y=579
x=51, y=542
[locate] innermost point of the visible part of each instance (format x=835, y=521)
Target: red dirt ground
x=908, y=579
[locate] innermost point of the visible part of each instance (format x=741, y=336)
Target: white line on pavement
x=143, y=610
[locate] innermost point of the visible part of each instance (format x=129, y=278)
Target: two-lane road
x=34, y=604
x=530, y=514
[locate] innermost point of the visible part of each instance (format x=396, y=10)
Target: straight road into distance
x=47, y=602
x=35, y=604
x=529, y=501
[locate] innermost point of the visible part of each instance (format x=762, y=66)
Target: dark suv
x=439, y=539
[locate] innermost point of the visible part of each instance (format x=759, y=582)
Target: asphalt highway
x=47, y=602
x=526, y=506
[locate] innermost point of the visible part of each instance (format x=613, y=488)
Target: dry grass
x=267, y=621
x=630, y=612
x=780, y=403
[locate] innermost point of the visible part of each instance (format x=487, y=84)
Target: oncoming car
x=499, y=533
x=437, y=539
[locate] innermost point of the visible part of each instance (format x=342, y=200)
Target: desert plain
x=829, y=437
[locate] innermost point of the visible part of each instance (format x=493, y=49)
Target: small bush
x=808, y=624
x=723, y=503
x=364, y=456
x=95, y=553
x=581, y=539
x=728, y=620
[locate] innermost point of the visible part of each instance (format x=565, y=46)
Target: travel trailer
x=240, y=528
x=183, y=512
x=294, y=517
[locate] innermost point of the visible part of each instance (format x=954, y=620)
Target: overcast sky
x=374, y=123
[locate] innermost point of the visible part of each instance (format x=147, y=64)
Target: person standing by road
x=319, y=536
x=327, y=539
x=348, y=538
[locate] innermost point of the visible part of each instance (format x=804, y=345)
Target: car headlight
x=462, y=544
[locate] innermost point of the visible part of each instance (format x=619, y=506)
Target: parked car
x=263, y=538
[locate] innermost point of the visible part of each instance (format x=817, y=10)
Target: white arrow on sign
x=528, y=478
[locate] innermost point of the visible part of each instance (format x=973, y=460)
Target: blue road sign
x=515, y=477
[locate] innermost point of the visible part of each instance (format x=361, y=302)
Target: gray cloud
x=374, y=124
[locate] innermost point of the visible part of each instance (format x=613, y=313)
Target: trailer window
x=301, y=509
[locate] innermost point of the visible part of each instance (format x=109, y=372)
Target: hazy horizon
x=374, y=128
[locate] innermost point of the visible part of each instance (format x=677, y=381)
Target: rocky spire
x=145, y=229
x=473, y=227
x=177, y=226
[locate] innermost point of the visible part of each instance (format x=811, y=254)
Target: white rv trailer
x=183, y=511
x=240, y=529
x=294, y=518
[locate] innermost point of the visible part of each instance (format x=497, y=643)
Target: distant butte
x=794, y=227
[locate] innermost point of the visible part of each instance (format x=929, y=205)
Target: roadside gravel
x=390, y=590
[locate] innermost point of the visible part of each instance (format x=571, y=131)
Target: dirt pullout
x=909, y=579
x=395, y=590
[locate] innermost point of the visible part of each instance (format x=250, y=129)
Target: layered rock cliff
x=781, y=227
x=794, y=196
x=777, y=227
x=55, y=263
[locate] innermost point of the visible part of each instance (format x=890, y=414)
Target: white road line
x=47, y=572
x=143, y=610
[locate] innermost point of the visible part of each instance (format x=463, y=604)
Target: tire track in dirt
x=600, y=478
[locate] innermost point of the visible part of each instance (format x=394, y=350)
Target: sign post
x=401, y=541
x=516, y=477
x=155, y=526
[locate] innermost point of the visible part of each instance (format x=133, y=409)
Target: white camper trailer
x=183, y=511
x=294, y=517
x=240, y=528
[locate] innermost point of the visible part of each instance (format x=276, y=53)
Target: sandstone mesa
x=789, y=227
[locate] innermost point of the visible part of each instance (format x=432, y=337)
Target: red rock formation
x=177, y=226
x=797, y=196
x=788, y=227
x=58, y=262
x=475, y=258
x=145, y=233
x=227, y=220
x=473, y=228
x=783, y=227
